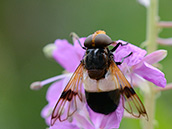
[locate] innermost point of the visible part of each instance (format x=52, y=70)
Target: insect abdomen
x=103, y=102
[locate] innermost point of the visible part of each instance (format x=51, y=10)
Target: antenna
x=76, y=37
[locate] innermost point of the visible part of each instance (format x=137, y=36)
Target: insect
x=104, y=83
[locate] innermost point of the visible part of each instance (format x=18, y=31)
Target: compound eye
x=97, y=41
x=102, y=40
x=88, y=41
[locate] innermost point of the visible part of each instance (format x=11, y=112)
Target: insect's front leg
x=119, y=63
x=117, y=45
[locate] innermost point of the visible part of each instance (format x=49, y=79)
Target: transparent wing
x=72, y=94
x=132, y=104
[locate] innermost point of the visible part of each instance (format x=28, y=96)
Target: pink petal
x=151, y=74
x=112, y=120
x=65, y=55
x=83, y=122
x=64, y=125
x=54, y=91
x=140, y=82
x=78, y=49
x=45, y=113
x=122, y=51
x=83, y=118
x=155, y=57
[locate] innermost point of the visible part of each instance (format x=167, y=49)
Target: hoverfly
x=104, y=83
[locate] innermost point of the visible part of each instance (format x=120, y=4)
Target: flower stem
x=163, y=41
x=152, y=28
x=165, y=24
x=149, y=101
x=151, y=38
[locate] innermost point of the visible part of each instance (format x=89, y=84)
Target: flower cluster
x=138, y=67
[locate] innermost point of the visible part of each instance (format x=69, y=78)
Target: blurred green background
x=26, y=26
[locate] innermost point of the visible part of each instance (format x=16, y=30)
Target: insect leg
x=113, y=49
x=119, y=63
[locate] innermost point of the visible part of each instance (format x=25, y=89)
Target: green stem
x=151, y=37
x=150, y=107
x=152, y=28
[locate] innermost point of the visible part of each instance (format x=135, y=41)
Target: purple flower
x=140, y=66
x=88, y=119
x=69, y=56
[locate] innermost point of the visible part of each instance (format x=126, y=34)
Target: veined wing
x=67, y=103
x=133, y=104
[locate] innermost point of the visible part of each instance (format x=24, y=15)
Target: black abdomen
x=103, y=102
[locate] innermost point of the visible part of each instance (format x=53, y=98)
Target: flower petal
x=122, y=51
x=151, y=74
x=113, y=120
x=83, y=122
x=65, y=55
x=78, y=49
x=54, y=91
x=155, y=57
x=140, y=82
x=64, y=125
x=109, y=121
x=46, y=113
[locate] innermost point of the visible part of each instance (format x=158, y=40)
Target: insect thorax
x=96, y=62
